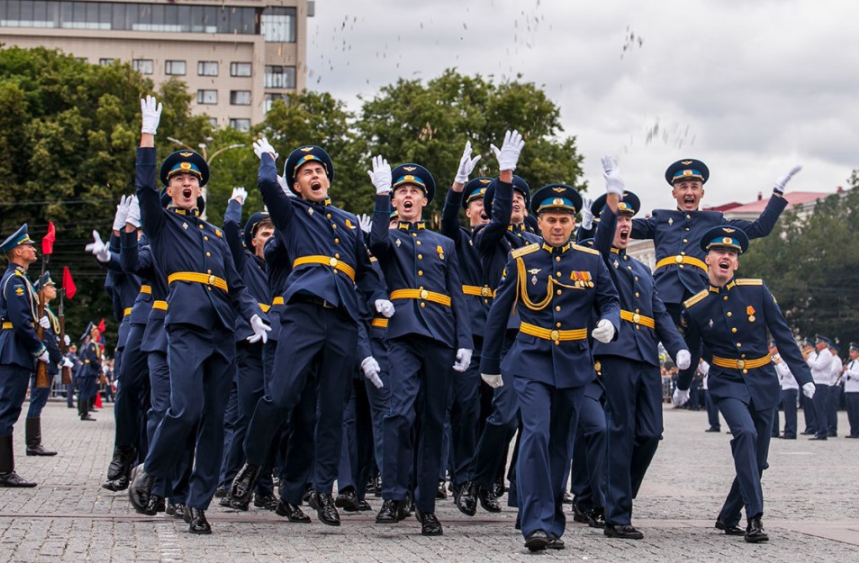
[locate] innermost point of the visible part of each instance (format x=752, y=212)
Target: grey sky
x=750, y=88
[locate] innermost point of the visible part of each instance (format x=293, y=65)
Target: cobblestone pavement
x=811, y=492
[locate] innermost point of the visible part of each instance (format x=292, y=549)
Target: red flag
x=69, y=283
x=48, y=241
x=101, y=327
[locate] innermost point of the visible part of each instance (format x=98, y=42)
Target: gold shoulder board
x=696, y=298
x=749, y=281
x=525, y=250
x=586, y=249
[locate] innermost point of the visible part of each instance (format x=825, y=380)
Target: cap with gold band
x=414, y=175
x=725, y=236
x=519, y=185
x=687, y=169
x=304, y=155
x=475, y=189
x=16, y=239
x=556, y=197
x=628, y=205
x=185, y=162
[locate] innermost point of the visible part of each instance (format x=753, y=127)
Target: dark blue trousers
x=833, y=403
x=588, y=449
x=852, y=399
x=808, y=413
x=362, y=432
x=821, y=410
x=313, y=341
x=788, y=402
x=750, y=443
x=464, y=416
x=776, y=423
x=712, y=411
x=201, y=367
x=633, y=393
x=39, y=396
x=300, y=447
x=13, y=389
x=422, y=366
x=132, y=383
x=230, y=417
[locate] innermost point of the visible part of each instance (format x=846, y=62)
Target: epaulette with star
x=696, y=298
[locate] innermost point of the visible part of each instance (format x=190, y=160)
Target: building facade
x=237, y=56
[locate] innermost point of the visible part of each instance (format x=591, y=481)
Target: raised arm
x=380, y=176
x=151, y=212
x=232, y=231
x=450, y=213
x=278, y=203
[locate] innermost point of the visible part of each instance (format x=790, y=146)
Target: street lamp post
x=207, y=158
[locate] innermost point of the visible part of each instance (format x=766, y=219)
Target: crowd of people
x=310, y=346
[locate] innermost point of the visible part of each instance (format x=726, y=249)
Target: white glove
x=613, y=180
x=133, y=217
x=781, y=183
x=587, y=214
x=493, y=381
x=260, y=329
x=463, y=360
x=121, y=213
x=683, y=359
x=45, y=323
x=98, y=248
x=262, y=146
x=380, y=176
x=680, y=397
x=43, y=357
x=808, y=390
x=604, y=331
x=67, y=363
x=366, y=223
x=68, y=342
x=466, y=164
x=385, y=307
x=371, y=370
x=508, y=155
x=151, y=115
x=239, y=194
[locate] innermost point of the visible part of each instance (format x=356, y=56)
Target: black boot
x=392, y=511
x=33, y=428
x=325, y=509
x=292, y=513
x=243, y=485
x=140, y=489
x=83, y=410
x=488, y=500
x=466, y=498
x=120, y=465
x=8, y=477
x=197, y=520
x=755, y=531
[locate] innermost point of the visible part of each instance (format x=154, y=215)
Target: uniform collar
x=618, y=251
x=192, y=213
x=516, y=228
x=728, y=287
x=416, y=226
x=556, y=250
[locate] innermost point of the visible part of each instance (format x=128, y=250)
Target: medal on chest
x=750, y=311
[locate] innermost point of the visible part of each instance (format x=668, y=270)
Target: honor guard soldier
x=465, y=394
x=851, y=390
x=429, y=335
x=680, y=270
x=91, y=355
x=731, y=317
x=556, y=286
x=330, y=273
x=630, y=365
x=204, y=292
x=20, y=348
x=789, y=392
x=820, y=362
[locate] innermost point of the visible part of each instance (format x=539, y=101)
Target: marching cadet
x=465, y=392
x=789, y=393
x=91, y=356
x=39, y=395
x=630, y=365
x=820, y=361
x=556, y=286
x=429, y=337
x=680, y=270
x=505, y=203
x=204, y=290
x=20, y=348
x=851, y=390
x=835, y=390
x=330, y=273
x=731, y=318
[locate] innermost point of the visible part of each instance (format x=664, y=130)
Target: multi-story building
x=236, y=56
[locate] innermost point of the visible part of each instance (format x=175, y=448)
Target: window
x=105, y=62
x=280, y=76
x=240, y=97
x=213, y=122
x=240, y=69
x=269, y=101
x=278, y=25
x=240, y=124
x=82, y=59
x=207, y=97
x=174, y=68
x=207, y=68
x=143, y=66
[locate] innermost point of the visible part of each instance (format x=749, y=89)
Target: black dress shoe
x=13, y=480
x=175, y=510
x=488, y=500
x=39, y=450
x=364, y=506
x=409, y=505
x=579, y=515
x=466, y=498
x=732, y=530
x=196, y=519
x=430, y=526
x=441, y=493
x=596, y=518
x=711, y=429
x=326, y=511
x=87, y=418
x=392, y=511
x=624, y=532
x=789, y=437
x=806, y=433
x=499, y=488
x=755, y=531
x=140, y=490
x=116, y=485
x=555, y=542
x=537, y=540
x=243, y=485
x=347, y=500
x=237, y=504
x=154, y=505
x=120, y=463
x=833, y=435
x=818, y=438
x=292, y=513
x=268, y=502
x=226, y=502
x=220, y=492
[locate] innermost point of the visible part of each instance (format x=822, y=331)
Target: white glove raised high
x=371, y=370
x=385, y=307
x=366, y=223
x=45, y=323
x=121, y=213
x=604, y=331
x=683, y=359
x=493, y=381
x=781, y=183
x=511, y=148
x=466, y=165
x=680, y=397
x=43, y=357
x=463, y=360
x=133, y=216
x=239, y=194
x=262, y=146
x=808, y=390
x=613, y=180
x=151, y=115
x=260, y=329
x=380, y=176
x=587, y=214
x=98, y=248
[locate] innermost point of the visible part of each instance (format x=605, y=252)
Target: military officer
x=851, y=390
x=789, y=392
x=731, y=318
x=204, y=292
x=630, y=365
x=429, y=337
x=556, y=286
x=91, y=355
x=20, y=348
x=820, y=361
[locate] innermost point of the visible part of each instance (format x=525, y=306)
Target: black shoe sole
x=760, y=539
x=538, y=544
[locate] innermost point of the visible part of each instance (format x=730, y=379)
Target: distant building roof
x=793, y=198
